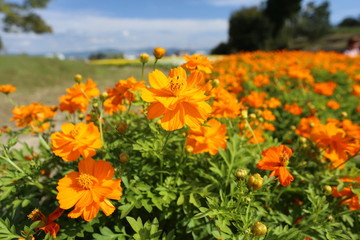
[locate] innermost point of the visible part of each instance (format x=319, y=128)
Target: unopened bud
x=215, y=83
x=293, y=127
x=104, y=94
x=144, y=58
x=328, y=189
x=344, y=114
x=95, y=105
x=252, y=115
x=244, y=113
x=78, y=78
x=189, y=149
x=124, y=157
x=259, y=229
x=241, y=173
x=302, y=140
x=159, y=52
x=81, y=116
x=255, y=181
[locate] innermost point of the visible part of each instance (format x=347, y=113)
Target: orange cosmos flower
x=333, y=104
x=356, y=90
x=334, y=140
x=47, y=223
x=75, y=140
x=89, y=189
x=326, y=88
x=261, y=80
x=255, y=99
x=208, y=138
x=6, y=89
x=306, y=124
x=78, y=96
x=124, y=90
x=276, y=159
x=225, y=104
x=351, y=198
x=176, y=98
x=34, y=115
x=273, y=103
x=197, y=62
x=293, y=109
x=268, y=115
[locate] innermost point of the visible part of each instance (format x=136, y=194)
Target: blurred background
x=81, y=29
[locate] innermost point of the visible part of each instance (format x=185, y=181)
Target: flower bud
x=95, y=105
x=104, y=94
x=259, y=229
x=328, y=189
x=255, y=181
x=241, y=173
x=159, y=52
x=189, y=149
x=252, y=115
x=344, y=114
x=215, y=83
x=302, y=140
x=124, y=157
x=293, y=128
x=78, y=78
x=81, y=116
x=144, y=58
x=244, y=113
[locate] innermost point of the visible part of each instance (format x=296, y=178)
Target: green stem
x=142, y=71
x=252, y=132
x=100, y=127
x=155, y=63
x=11, y=100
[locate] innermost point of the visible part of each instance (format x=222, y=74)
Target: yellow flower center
x=176, y=84
x=284, y=158
x=86, y=181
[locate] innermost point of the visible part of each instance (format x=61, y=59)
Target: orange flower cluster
x=79, y=96
x=177, y=98
x=34, y=116
x=76, y=140
x=89, y=189
x=276, y=159
x=350, y=196
x=225, y=104
x=123, y=90
x=208, y=138
x=6, y=89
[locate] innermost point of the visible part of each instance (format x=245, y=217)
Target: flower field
x=254, y=145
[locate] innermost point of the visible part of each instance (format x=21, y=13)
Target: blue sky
x=80, y=25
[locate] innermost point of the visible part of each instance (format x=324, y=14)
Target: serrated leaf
x=135, y=224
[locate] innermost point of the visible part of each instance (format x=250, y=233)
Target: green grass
x=44, y=80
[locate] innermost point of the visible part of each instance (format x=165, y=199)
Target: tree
x=314, y=21
x=349, y=22
x=278, y=11
x=249, y=30
x=19, y=17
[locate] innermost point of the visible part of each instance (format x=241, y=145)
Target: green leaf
x=126, y=209
x=135, y=224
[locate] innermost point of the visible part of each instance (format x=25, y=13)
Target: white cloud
x=234, y=2
x=83, y=31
